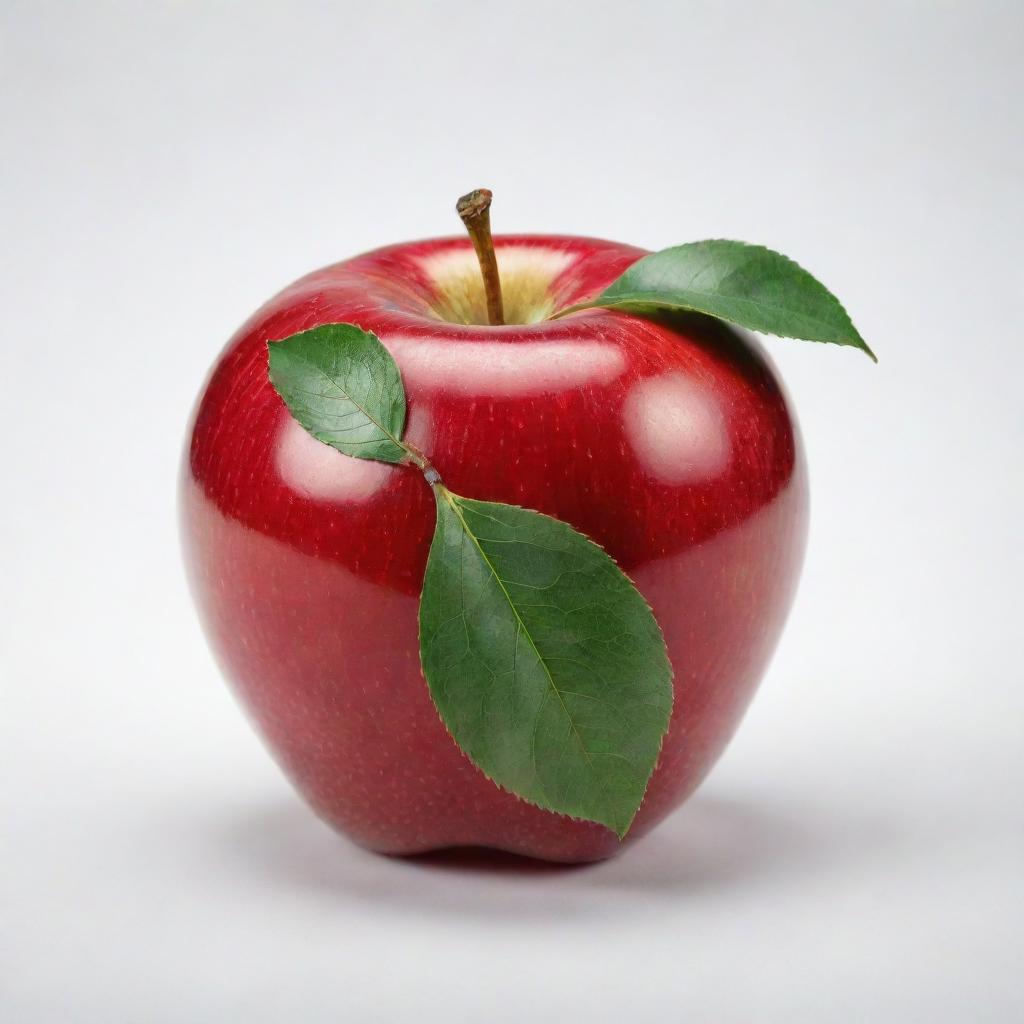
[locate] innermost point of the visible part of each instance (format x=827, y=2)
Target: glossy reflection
x=677, y=429
x=312, y=469
x=501, y=370
x=668, y=443
x=459, y=261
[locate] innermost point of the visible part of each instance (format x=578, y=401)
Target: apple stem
x=475, y=210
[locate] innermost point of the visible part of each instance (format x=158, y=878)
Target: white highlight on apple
x=676, y=429
x=512, y=260
x=320, y=472
x=502, y=368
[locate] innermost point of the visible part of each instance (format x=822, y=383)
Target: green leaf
x=545, y=663
x=342, y=385
x=748, y=285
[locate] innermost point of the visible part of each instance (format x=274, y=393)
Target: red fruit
x=670, y=443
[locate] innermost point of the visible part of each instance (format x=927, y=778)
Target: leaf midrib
x=641, y=298
x=453, y=504
x=366, y=412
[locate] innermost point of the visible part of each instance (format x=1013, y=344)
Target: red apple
x=670, y=443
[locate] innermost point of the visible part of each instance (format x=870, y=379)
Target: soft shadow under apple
x=710, y=844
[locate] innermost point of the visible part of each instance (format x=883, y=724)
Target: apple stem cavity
x=475, y=210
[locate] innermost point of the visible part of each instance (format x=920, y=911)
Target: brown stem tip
x=474, y=209
x=474, y=204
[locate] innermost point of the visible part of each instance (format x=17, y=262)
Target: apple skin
x=670, y=442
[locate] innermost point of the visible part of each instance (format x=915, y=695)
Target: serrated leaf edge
x=671, y=681
x=397, y=441
x=619, y=302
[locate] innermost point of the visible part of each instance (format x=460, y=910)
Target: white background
x=165, y=167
